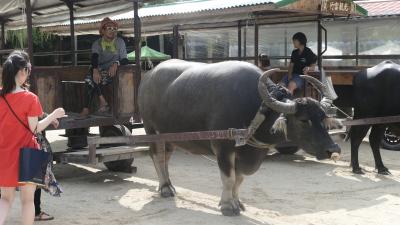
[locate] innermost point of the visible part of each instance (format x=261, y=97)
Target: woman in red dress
x=14, y=136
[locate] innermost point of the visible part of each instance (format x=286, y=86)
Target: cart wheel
x=390, y=141
x=119, y=165
x=287, y=150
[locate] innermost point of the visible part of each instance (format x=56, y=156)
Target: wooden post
x=115, y=94
x=138, y=69
x=3, y=38
x=286, y=47
x=28, y=11
x=59, y=48
x=256, y=42
x=29, y=25
x=161, y=40
x=239, y=40
x=245, y=41
x=175, y=32
x=357, y=45
x=319, y=31
x=92, y=154
x=70, y=5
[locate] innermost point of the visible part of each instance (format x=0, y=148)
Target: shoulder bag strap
x=18, y=117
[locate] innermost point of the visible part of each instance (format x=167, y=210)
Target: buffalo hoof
x=241, y=206
x=357, y=170
x=230, y=208
x=384, y=171
x=167, y=191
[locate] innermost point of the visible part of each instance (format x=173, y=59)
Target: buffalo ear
x=332, y=123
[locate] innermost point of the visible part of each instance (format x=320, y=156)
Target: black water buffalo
x=180, y=96
x=376, y=93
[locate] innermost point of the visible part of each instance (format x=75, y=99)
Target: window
x=276, y=40
x=272, y=42
x=378, y=37
x=342, y=40
x=249, y=40
x=215, y=43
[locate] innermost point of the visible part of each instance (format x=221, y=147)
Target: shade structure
x=148, y=53
x=390, y=48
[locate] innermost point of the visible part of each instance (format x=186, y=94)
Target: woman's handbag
x=32, y=162
x=33, y=166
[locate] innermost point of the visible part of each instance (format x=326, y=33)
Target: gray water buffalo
x=376, y=93
x=180, y=96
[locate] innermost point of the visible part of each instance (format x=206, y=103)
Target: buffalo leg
x=161, y=153
x=226, y=164
x=235, y=193
x=375, y=139
x=357, y=133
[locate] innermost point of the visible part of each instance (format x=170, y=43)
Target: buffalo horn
x=288, y=107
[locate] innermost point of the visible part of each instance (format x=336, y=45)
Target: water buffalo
x=376, y=92
x=180, y=96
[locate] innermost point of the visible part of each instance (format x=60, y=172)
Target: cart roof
x=53, y=15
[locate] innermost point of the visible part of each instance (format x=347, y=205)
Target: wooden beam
x=175, y=32
x=342, y=79
x=29, y=25
x=245, y=41
x=319, y=40
x=70, y=5
x=3, y=38
x=28, y=11
x=231, y=134
x=239, y=40
x=256, y=43
x=138, y=69
x=373, y=120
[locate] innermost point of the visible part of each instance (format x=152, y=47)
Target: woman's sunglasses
x=113, y=29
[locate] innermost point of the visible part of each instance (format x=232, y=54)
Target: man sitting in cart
x=302, y=62
x=108, y=52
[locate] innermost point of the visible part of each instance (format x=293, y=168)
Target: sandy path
x=286, y=190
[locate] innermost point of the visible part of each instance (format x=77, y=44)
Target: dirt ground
x=286, y=190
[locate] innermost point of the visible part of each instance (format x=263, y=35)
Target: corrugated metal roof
x=198, y=6
x=55, y=13
x=381, y=7
x=175, y=8
x=159, y=17
x=47, y=12
x=184, y=8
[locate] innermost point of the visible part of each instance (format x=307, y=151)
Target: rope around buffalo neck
x=254, y=125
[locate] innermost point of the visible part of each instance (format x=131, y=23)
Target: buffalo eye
x=306, y=122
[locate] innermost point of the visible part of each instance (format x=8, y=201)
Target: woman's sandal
x=43, y=217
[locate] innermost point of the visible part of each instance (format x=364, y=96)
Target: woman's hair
x=301, y=37
x=16, y=61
